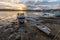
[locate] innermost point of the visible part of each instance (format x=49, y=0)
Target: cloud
x=41, y=0
x=52, y=0
x=47, y=0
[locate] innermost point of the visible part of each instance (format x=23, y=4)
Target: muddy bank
x=10, y=30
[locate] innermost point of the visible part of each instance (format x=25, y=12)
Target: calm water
x=4, y=14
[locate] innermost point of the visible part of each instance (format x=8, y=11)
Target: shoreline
x=29, y=10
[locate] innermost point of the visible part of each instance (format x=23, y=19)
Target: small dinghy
x=39, y=25
x=43, y=28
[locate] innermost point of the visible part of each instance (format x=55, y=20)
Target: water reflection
x=12, y=15
x=4, y=14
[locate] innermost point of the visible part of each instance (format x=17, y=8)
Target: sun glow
x=7, y=5
x=20, y=8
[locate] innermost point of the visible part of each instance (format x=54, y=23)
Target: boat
x=47, y=15
x=39, y=25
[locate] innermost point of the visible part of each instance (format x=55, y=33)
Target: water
x=4, y=14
